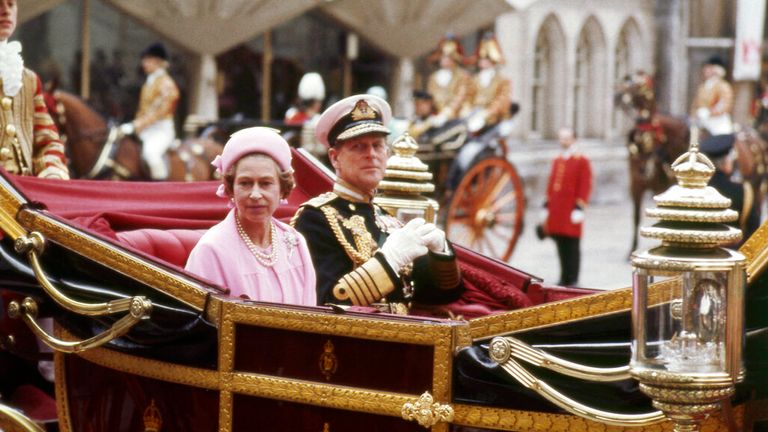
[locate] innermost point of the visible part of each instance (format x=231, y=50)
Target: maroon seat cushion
x=170, y=245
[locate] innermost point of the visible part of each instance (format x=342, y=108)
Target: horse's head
x=635, y=95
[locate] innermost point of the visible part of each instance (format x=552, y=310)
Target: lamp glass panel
x=685, y=324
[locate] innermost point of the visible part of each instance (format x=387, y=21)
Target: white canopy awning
x=212, y=26
x=409, y=28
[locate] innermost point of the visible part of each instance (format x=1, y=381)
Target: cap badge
x=362, y=111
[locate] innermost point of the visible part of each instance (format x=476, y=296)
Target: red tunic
x=570, y=183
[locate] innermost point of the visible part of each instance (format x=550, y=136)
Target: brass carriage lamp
x=688, y=330
x=405, y=180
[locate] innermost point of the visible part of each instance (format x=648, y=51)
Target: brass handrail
x=12, y=420
x=501, y=348
x=521, y=375
x=32, y=245
x=27, y=310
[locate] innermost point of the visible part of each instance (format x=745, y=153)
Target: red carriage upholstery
x=172, y=246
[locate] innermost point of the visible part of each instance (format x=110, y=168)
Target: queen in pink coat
x=250, y=252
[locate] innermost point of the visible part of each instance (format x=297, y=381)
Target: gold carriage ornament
x=687, y=312
x=405, y=180
x=687, y=343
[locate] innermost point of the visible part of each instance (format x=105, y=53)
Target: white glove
x=404, y=245
x=434, y=238
x=438, y=120
x=127, y=128
x=476, y=122
x=543, y=214
x=702, y=113
x=577, y=216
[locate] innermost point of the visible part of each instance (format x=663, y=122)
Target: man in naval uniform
x=719, y=149
x=449, y=85
x=361, y=254
x=29, y=140
x=713, y=102
x=489, y=101
x=154, y=117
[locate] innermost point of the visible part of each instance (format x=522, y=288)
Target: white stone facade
x=565, y=57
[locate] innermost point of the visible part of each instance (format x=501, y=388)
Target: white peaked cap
x=311, y=87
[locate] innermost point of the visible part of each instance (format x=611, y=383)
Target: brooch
x=291, y=242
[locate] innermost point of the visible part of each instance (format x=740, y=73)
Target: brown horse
x=656, y=140
x=97, y=151
x=191, y=160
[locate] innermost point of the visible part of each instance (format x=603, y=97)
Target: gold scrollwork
x=426, y=411
x=328, y=362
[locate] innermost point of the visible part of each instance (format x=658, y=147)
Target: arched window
x=590, y=82
x=540, y=74
x=626, y=62
x=548, y=80
x=580, y=83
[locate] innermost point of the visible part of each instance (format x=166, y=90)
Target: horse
x=653, y=143
x=656, y=140
x=97, y=150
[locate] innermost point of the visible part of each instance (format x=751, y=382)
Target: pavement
x=605, y=247
x=607, y=234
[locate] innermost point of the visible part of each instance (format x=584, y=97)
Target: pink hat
x=353, y=116
x=253, y=140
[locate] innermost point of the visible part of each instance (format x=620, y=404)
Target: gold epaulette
x=317, y=202
x=320, y=200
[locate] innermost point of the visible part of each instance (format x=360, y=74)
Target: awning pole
x=85, y=49
x=266, y=78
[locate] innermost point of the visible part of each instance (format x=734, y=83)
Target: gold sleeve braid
x=364, y=285
x=445, y=272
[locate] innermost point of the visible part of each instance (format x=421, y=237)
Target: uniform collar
x=351, y=193
x=155, y=75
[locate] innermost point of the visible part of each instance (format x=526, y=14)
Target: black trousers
x=570, y=254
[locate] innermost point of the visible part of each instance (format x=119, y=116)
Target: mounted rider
x=157, y=105
x=489, y=99
x=29, y=140
x=713, y=103
x=450, y=84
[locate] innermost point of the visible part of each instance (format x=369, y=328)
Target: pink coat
x=222, y=257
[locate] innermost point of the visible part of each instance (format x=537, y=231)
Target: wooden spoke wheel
x=485, y=213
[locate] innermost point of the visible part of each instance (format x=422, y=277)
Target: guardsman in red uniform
x=568, y=191
x=489, y=100
x=362, y=255
x=29, y=140
x=449, y=85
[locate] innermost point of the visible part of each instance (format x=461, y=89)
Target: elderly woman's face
x=256, y=189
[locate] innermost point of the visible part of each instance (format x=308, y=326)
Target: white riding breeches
x=156, y=140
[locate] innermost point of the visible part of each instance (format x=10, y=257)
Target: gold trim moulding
x=179, y=286
x=755, y=249
x=393, y=329
x=10, y=203
x=534, y=421
x=257, y=385
x=564, y=311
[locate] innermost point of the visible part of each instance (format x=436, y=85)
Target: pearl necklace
x=267, y=260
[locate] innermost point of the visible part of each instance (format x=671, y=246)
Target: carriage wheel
x=486, y=211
